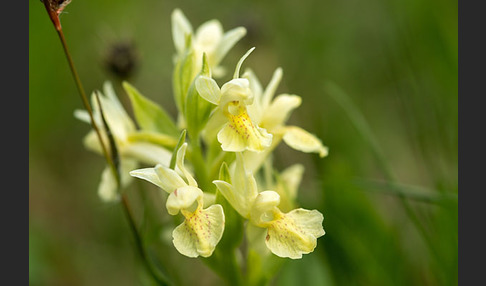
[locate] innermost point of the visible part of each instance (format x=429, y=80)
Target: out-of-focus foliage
x=391, y=64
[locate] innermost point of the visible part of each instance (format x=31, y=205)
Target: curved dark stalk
x=54, y=8
x=158, y=277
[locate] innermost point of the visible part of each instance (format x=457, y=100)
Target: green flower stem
x=156, y=275
x=216, y=162
x=226, y=265
x=161, y=280
x=199, y=164
x=54, y=16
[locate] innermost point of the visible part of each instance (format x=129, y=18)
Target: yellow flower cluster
x=231, y=130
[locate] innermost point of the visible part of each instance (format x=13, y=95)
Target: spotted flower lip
x=202, y=228
x=200, y=232
x=294, y=233
x=232, y=125
x=240, y=133
x=290, y=234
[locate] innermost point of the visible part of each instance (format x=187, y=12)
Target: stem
x=158, y=277
x=84, y=98
x=226, y=265
x=199, y=164
x=54, y=16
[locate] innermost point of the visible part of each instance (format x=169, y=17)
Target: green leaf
x=224, y=174
x=197, y=111
x=262, y=269
x=311, y=271
x=417, y=193
x=206, y=70
x=149, y=115
x=167, y=141
x=182, y=139
x=183, y=75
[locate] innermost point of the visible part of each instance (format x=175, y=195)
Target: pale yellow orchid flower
x=290, y=234
x=209, y=38
x=237, y=131
x=272, y=113
x=202, y=228
x=131, y=152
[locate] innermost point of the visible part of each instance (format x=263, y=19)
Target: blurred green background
x=379, y=84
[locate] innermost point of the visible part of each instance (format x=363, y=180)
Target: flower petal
x=230, y=194
x=240, y=62
x=207, y=38
x=200, y=232
x=208, y=89
x=254, y=110
x=287, y=186
x=236, y=90
x=291, y=177
x=263, y=208
x=241, y=134
x=227, y=42
x=91, y=141
x=279, y=110
x=147, y=153
x=295, y=233
x=302, y=140
x=208, y=199
x=82, y=115
x=147, y=174
x=180, y=28
x=271, y=88
x=216, y=121
x=180, y=164
x=239, y=198
x=253, y=160
x=107, y=189
x=183, y=199
x=117, y=118
x=163, y=177
x=243, y=190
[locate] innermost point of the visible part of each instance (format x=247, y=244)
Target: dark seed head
x=121, y=59
x=57, y=5
x=54, y=8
